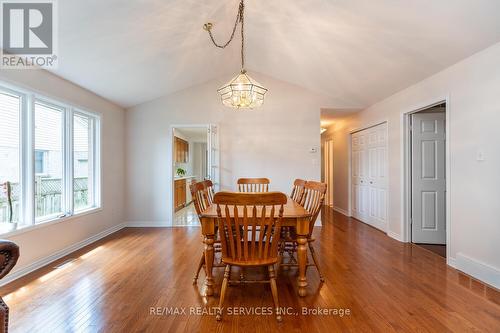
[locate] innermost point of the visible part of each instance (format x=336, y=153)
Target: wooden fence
x=48, y=198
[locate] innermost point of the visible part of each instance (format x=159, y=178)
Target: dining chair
x=253, y=185
x=249, y=231
x=298, y=190
x=297, y=195
x=203, y=195
x=312, y=200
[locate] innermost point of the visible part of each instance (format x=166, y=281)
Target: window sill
x=22, y=230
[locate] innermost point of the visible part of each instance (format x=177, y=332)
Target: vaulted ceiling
x=354, y=51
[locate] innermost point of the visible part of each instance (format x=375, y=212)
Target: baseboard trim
x=451, y=262
x=59, y=254
x=478, y=270
x=147, y=224
x=395, y=236
x=341, y=211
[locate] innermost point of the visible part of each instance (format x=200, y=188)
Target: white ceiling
x=195, y=134
x=354, y=51
x=330, y=116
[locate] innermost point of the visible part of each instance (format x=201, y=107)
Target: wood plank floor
x=437, y=249
x=112, y=285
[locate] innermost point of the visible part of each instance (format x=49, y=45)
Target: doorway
x=426, y=175
x=328, y=171
x=193, y=159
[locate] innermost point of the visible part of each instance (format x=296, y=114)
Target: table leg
x=302, y=233
x=302, y=259
x=209, y=261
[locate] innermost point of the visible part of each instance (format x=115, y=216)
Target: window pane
x=10, y=166
x=48, y=140
x=82, y=169
x=40, y=161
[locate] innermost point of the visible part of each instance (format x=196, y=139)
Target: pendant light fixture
x=242, y=92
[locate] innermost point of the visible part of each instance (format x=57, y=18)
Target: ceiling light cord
x=242, y=20
x=239, y=19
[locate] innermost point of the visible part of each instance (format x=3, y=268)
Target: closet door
x=369, y=176
x=359, y=172
x=377, y=176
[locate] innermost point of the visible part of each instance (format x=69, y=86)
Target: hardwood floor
x=112, y=285
x=437, y=249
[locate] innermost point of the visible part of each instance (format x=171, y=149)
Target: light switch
x=480, y=156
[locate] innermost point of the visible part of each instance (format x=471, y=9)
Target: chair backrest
x=202, y=194
x=249, y=225
x=253, y=185
x=298, y=190
x=313, y=199
x=210, y=191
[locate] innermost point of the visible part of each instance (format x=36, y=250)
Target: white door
x=359, y=169
x=369, y=176
x=213, y=156
x=377, y=176
x=428, y=178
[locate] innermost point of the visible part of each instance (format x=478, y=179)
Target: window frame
x=28, y=98
x=65, y=136
x=8, y=90
x=93, y=160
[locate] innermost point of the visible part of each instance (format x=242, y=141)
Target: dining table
x=294, y=215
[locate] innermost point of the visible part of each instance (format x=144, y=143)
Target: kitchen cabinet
x=179, y=194
x=181, y=150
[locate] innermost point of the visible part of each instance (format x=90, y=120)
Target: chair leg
x=274, y=290
x=313, y=255
x=200, y=266
x=280, y=262
x=227, y=273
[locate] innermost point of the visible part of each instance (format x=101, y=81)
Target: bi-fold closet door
x=369, y=176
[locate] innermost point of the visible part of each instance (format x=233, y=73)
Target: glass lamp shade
x=242, y=92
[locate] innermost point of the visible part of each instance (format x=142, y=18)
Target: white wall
x=473, y=89
x=47, y=240
x=199, y=150
x=272, y=141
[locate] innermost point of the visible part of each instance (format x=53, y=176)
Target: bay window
x=49, y=159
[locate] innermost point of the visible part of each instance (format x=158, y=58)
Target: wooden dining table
x=294, y=215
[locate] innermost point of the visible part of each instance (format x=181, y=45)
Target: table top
x=290, y=210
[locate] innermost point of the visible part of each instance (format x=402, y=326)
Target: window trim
x=27, y=228
x=93, y=159
x=28, y=97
